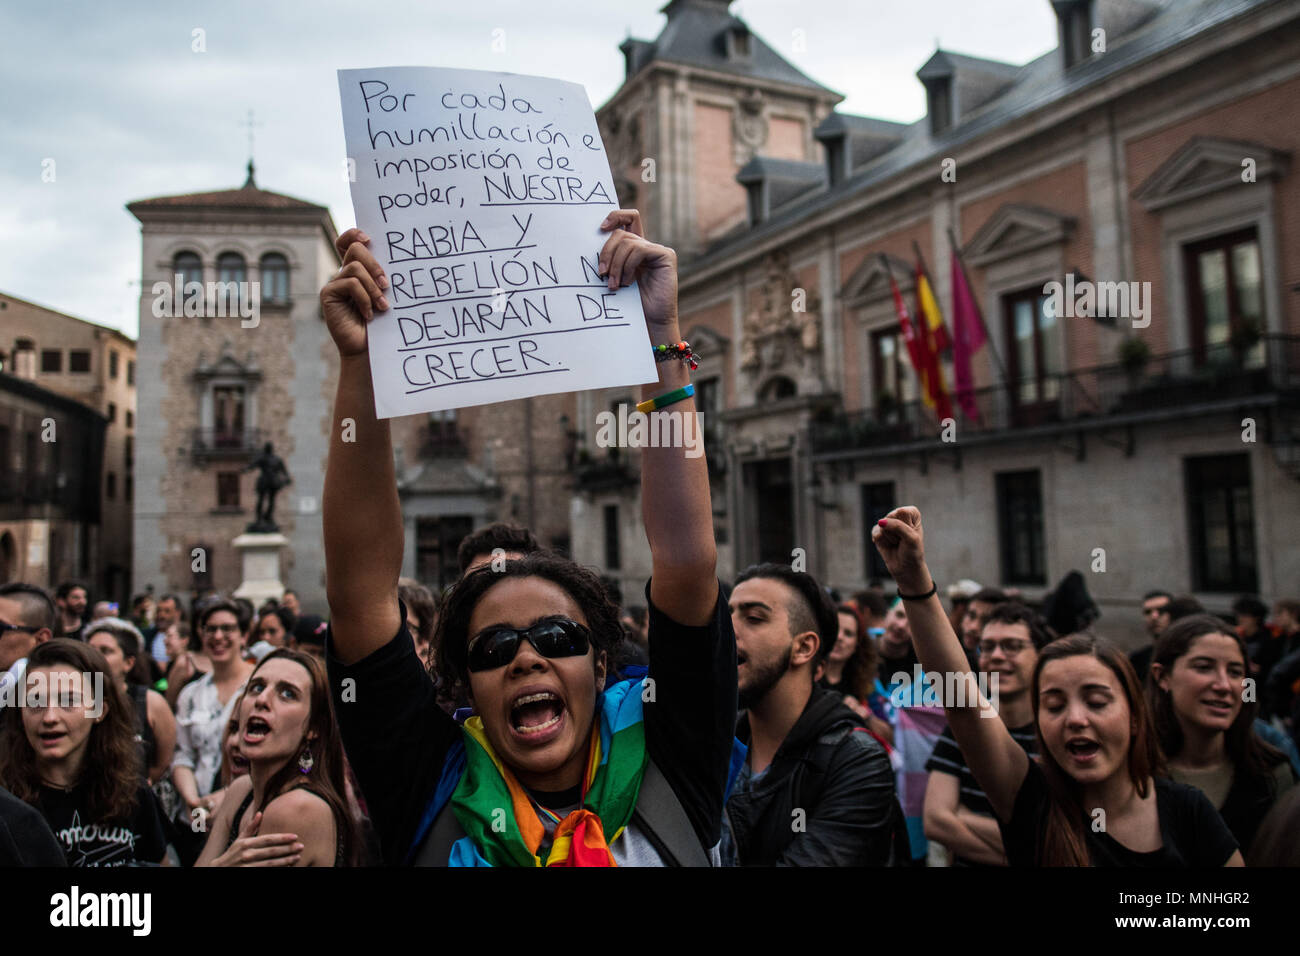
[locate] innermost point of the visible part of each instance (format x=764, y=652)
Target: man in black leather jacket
x=817, y=788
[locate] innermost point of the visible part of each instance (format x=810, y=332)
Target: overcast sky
x=115, y=95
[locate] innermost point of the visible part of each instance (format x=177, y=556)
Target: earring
x=305, y=762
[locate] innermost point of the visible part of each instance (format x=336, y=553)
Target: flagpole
x=979, y=313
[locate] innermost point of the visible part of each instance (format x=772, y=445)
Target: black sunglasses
x=6, y=628
x=497, y=646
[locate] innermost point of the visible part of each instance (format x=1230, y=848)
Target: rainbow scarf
x=498, y=817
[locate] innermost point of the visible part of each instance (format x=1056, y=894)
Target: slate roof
x=1034, y=86
x=694, y=35
x=248, y=196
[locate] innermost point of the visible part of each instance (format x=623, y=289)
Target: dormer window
x=938, y=94
x=1075, y=22
x=738, y=42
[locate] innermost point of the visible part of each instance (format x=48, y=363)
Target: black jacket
x=830, y=768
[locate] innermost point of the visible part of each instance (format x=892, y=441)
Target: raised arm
x=361, y=511
x=994, y=757
x=675, y=504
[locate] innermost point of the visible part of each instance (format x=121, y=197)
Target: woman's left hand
x=253, y=849
x=628, y=257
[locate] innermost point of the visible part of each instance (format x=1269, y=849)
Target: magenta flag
x=968, y=336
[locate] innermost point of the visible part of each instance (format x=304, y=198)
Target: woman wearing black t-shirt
x=1207, y=726
x=1095, y=797
x=70, y=751
x=557, y=766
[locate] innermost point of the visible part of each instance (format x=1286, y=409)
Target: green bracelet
x=652, y=404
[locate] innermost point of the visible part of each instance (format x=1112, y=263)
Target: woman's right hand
x=899, y=539
x=351, y=298
x=249, y=849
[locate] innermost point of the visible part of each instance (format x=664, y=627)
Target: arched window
x=188, y=266
x=231, y=267
x=275, y=278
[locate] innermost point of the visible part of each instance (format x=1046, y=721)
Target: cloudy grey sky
x=114, y=94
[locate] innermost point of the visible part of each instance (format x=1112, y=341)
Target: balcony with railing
x=216, y=443
x=1169, y=385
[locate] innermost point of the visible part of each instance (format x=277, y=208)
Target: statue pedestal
x=260, y=556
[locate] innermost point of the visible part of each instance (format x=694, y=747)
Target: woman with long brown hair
x=294, y=787
x=1206, y=725
x=70, y=751
x=851, y=669
x=1096, y=796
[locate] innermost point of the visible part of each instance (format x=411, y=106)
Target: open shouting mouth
x=537, y=715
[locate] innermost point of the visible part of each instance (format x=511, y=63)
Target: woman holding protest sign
x=1098, y=797
x=558, y=766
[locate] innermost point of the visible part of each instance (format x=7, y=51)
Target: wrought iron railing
x=226, y=443
x=1161, y=382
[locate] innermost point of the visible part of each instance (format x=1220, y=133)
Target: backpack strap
x=435, y=850
x=659, y=815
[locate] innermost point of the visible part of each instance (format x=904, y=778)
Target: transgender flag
x=915, y=734
x=968, y=335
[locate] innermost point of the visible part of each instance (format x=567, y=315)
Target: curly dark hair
x=113, y=769
x=486, y=540
x=582, y=584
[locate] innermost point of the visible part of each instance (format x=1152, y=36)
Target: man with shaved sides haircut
x=816, y=788
x=26, y=619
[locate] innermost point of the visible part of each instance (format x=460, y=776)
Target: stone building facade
x=94, y=366
x=214, y=388
x=1153, y=443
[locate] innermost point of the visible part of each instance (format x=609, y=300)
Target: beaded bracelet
x=682, y=350
x=668, y=398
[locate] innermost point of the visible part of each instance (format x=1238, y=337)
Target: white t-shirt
x=200, y=725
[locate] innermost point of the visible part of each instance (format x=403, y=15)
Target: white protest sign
x=482, y=194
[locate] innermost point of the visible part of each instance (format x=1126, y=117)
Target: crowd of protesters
x=525, y=717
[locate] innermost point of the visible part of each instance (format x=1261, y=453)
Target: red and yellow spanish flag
x=934, y=337
x=910, y=338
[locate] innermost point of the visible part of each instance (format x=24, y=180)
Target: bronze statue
x=272, y=476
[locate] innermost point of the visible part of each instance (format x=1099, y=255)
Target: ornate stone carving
x=748, y=127
x=775, y=335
